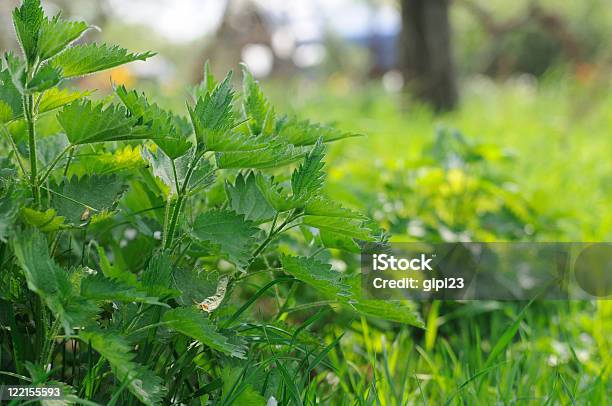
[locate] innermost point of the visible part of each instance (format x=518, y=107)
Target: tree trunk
x=426, y=53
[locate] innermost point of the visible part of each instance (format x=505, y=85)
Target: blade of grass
x=289, y=384
x=506, y=337
x=470, y=379
x=431, y=330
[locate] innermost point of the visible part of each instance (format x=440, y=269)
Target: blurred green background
x=523, y=153
x=533, y=80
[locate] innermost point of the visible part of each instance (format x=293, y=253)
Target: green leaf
x=248, y=397
x=273, y=156
x=207, y=85
x=45, y=78
x=42, y=274
x=46, y=221
x=213, y=116
x=141, y=382
x=256, y=106
x=236, y=142
x=237, y=391
x=346, y=289
x=56, y=34
x=213, y=120
x=274, y=193
x=330, y=239
x=105, y=162
x=168, y=134
x=350, y=227
x=195, y=324
x=203, y=175
x=162, y=168
x=77, y=199
x=9, y=207
x=10, y=96
x=246, y=198
x=352, y=224
x=99, y=287
x=158, y=276
x=6, y=112
x=195, y=285
x=17, y=71
x=124, y=276
x=82, y=60
x=55, y=98
x=329, y=208
x=302, y=133
x=8, y=174
x=403, y=311
x=307, y=180
x=234, y=235
x=47, y=279
x=400, y=312
x=27, y=20
x=40, y=376
x=85, y=122
x=320, y=276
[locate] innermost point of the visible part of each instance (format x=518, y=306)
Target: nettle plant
x=134, y=242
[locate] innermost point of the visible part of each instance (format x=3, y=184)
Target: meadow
x=547, y=142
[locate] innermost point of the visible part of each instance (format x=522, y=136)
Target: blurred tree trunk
x=426, y=52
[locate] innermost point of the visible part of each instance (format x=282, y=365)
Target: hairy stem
x=28, y=108
x=179, y=201
x=39, y=322
x=173, y=221
x=49, y=346
x=166, y=219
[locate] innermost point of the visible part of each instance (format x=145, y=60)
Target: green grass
x=558, y=133
x=483, y=353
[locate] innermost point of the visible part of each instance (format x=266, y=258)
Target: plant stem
x=179, y=201
x=53, y=164
x=173, y=221
x=70, y=156
x=166, y=219
x=176, y=181
x=39, y=322
x=169, y=204
x=49, y=346
x=262, y=246
x=29, y=116
x=273, y=233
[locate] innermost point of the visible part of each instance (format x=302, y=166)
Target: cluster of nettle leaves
x=128, y=229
